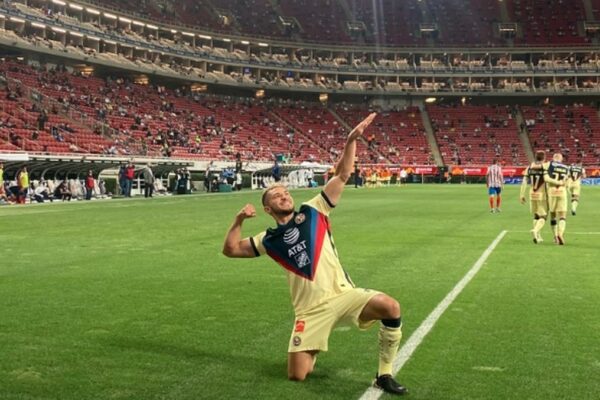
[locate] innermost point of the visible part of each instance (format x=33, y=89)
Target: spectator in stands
x=148, y=181
x=89, y=185
x=42, y=119
x=23, y=184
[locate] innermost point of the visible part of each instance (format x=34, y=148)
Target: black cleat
x=560, y=241
x=573, y=213
x=389, y=385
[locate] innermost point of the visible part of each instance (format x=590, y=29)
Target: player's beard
x=284, y=212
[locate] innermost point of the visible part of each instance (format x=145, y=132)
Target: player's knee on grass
x=300, y=365
x=391, y=309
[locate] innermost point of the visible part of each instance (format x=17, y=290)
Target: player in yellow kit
x=557, y=175
x=576, y=173
x=323, y=294
x=538, y=198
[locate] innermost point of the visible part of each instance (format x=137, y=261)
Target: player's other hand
x=247, y=212
x=360, y=128
x=522, y=200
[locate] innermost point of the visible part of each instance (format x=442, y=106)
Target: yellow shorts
x=575, y=190
x=539, y=207
x=557, y=204
x=313, y=327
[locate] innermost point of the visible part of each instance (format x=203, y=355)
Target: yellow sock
x=562, y=224
x=574, y=204
x=539, y=224
x=389, y=342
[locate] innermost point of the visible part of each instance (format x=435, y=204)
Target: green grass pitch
x=132, y=299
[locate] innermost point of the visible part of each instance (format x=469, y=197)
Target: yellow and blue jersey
x=304, y=247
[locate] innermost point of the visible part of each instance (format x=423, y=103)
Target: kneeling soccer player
x=322, y=293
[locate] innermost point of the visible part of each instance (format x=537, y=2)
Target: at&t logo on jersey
x=291, y=236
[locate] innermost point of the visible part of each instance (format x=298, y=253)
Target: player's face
x=280, y=202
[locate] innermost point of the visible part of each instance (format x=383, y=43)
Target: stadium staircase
x=523, y=135
x=433, y=145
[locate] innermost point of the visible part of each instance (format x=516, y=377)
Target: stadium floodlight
x=245, y=42
x=138, y=23
x=226, y=40
x=75, y=7
x=59, y=30
x=92, y=11
x=126, y=20
x=19, y=20
x=111, y=16
x=173, y=31
x=59, y=2
x=188, y=34
x=263, y=44
x=152, y=27
x=38, y=25
x=205, y=37
x=430, y=100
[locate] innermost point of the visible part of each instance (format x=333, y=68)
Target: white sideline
x=418, y=335
x=568, y=232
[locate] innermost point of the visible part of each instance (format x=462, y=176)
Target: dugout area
x=53, y=167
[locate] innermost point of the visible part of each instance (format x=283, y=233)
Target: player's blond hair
x=557, y=157
x=269, y=189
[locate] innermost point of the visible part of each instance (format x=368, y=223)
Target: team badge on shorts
x=296, y=340
x=299, y=326
x=300, y=218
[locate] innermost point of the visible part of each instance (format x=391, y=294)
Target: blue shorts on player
x=494, y=191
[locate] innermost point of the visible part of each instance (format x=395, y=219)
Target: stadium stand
x=542, y=24
x=571, y=130
x=398, y=135
x=477, y=134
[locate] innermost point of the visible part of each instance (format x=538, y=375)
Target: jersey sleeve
x=321, y=203
x=257, y=244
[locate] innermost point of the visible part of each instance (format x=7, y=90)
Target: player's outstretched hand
x=360, y=128
x=247, y=212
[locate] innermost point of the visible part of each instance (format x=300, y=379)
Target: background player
x=556, y=178
x=538, y=200
x=576, y=173
x=495, y=182
x=322, y=293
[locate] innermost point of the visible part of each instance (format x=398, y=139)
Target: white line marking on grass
x=567, y=232
x=418, y=335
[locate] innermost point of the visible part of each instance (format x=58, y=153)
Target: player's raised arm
x=345, y=165
x=234, y=245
